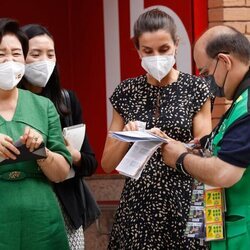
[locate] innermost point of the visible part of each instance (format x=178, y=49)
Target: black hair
x=52, y=90
x=230, y=42
x=151, y=21
x=11, y=26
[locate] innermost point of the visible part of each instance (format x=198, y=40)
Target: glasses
x=204, y=71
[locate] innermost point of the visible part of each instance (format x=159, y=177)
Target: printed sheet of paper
x=136, y=158
x=145, y=144
x=142, y=135
x=75, y=135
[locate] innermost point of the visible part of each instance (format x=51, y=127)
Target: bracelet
x=48, y=152
x=179, y=165
x=43, y=159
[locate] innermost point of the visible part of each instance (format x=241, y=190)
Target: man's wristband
x=179, y=165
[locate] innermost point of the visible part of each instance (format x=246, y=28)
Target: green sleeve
x=55, y=141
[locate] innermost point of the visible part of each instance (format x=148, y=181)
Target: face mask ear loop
x=215, y=66
x=223, y=84
x=224, y=81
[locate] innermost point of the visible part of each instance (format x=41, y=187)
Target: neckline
x=162, y=87
x=16, y=109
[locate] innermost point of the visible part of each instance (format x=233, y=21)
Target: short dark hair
x=231, y=42
x=11, y=26
x=151, y=21
x=52, y=90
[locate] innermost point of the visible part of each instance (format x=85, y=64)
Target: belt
x=19, y=175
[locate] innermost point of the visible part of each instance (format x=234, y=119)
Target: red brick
x=226, y=3
x=240, y=26
x=229, y=14
x=248, y=28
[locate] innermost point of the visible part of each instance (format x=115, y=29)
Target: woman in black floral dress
x=153, y=210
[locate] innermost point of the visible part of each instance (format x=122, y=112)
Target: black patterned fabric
x=153, y=210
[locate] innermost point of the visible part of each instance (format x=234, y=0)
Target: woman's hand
x=7, y=149
x=134, y=126
x=31, y=138
x=76, y=155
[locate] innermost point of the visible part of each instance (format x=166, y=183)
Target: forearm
x=212, y=171
x=202, y=169
x=113, y=153
x=88, y=165
x=55, y=167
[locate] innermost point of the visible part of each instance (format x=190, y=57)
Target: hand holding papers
x=145, y=144
x=75, y=135
x=136, y=158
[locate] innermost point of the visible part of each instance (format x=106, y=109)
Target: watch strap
x=180, y=165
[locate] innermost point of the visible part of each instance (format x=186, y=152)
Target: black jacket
x=68, y=191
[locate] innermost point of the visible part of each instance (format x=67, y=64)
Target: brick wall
x=235, y=13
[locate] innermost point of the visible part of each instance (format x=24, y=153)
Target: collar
x=245, y=83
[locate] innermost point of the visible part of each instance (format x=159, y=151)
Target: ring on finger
x=35, y=138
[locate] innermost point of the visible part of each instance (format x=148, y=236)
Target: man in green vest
x=222, y=54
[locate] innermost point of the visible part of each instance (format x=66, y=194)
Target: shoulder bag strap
x=66, y=98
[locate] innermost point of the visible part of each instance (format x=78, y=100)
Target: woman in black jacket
x=42, y=77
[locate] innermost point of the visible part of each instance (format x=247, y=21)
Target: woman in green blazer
x=30, y=215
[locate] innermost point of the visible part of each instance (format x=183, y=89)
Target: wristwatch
x=179, y=164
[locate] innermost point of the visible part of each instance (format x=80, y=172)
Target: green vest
x=237, y=222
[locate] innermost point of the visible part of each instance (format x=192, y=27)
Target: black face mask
x=214, y=88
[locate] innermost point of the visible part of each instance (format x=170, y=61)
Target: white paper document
x=142, y=135
x=145, y=144
x=136, y=158
x=75, y=135
x=136, y=135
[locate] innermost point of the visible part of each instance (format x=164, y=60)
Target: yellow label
x=214, y=231
x=213, y=214
x=213, y=197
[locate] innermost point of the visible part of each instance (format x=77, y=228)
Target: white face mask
x=158, y=66
x=10, y=74
x=38, y=73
